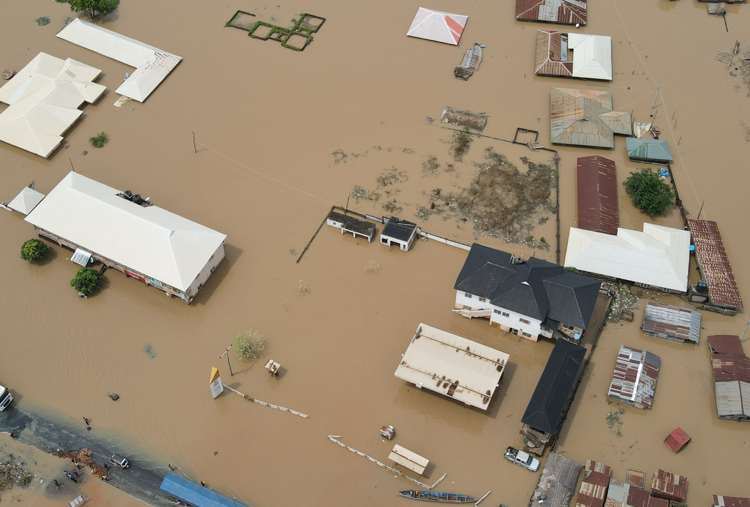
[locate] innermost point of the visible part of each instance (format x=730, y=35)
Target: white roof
x=436, y=360
x=44, y=98
x=26, y=200
x=152, y=64
x=438, y=26
x=150, y=240
x=409, y=459
x=592, y=55
x=658, y=256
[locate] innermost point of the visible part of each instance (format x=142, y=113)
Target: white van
x=5, y=398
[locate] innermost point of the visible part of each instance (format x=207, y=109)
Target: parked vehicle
x=119, y=461
x=521, y=458
x=5, y=398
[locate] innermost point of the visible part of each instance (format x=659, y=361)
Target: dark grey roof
x=399, y=229
x=536, y=288
x=354, y=224
x=551, y=394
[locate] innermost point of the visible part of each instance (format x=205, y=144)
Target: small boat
x=434, y=496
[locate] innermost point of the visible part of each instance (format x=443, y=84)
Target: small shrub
x=99, y=140
x=86, y=281
x=42, y=21
x=33, y=250
x=249, y=345
x=372, y=266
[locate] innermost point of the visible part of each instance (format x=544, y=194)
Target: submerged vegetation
x=86, y=281
x=99, y=140
x=249, y=345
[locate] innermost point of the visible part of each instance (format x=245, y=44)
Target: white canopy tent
x=152, y=64
x=44, y=98
x=438, y=26
x=26, y=200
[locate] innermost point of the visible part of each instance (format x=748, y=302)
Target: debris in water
x=114, y=396
x=149, y=350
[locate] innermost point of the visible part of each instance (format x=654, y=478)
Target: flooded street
x=267, y=123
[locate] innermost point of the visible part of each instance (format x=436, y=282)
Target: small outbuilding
x=597, y=195
x=438, y=26
x=634, y=379
x=648, y=150
x=677, y=440
x=26, y=201
x=593, y=491
x=400, y=232
x=671, y=322
x=669, y=486
x=408, y=459
x=352, y=225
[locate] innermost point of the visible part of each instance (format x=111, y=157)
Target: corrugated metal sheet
x=634, y=379
x=657, y=502
x=677, y=440
x=597, y=195
x=557, y=481
x=585, y=118
x=730, y=501
x=551, y=60
x=732, y=385
x=725, y=344
x=714, y=263
x=617, y=494
x=637, y=497
x=672, y=322
x=656, y=150
x=593, y=491
x=669, y=486
x=565, y=12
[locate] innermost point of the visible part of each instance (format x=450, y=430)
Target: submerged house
x=352, y=225
x=669, y=486
x=529, y=298
x=657, y=258
x=592, y=55
x=43, y=100
x=635, y=376
x=452, y=366
x=438, y=26
x=648, y=150
x=586, y=118
x=144, y=242
x=731, y=373
x=563, y=12
x=557, y=482
x=671, y=322
x=597, y=195
x=622, y=494
x=593, y=491
x=399, y=232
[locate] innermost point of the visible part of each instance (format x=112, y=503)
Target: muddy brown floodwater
x=267, y=122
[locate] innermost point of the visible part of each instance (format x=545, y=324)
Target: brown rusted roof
x=552, y=54
x=658, y=502
x=714, y=264
x=585, y=118
x=671, y=322
x=634, y=379
x=637, y=497
x=565, y=12
x=593, y=489
x=669, y=486
x=725, y=344
x=730, y=501
x=597, y=195
x=732, y=385
x=731, y=367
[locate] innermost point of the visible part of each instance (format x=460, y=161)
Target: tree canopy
x=86, y=281
x=33, y=250
x=648, y=192
x=93, y=7
x=249, y=345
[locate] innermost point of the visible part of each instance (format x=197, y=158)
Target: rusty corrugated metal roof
x=669, y=486
x=657, y=502
x=634, y=379
x=585, y=118
x=732, y=385
x=565, y=12
x=714, y=264
x=552, y=54
x=730, y=501
x=671, y=322
x=637, y=497
x=597, y=195
x=593, y=489
x=725, y=344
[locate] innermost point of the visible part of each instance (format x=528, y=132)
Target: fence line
x=333, y=438
x=276, y=407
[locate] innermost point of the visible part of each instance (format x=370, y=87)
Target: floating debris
x=464, y=119
x=149, y=350
x=8, y=73
x=470, y=63
x=12, y=474
x=42, y=21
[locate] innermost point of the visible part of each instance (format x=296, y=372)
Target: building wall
x=502, y=318
x=403, y=245
x=206, y=272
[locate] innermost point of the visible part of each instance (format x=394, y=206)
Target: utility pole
x=346, y=210
x=226, y=353
x=656, y=97
x=195, y=149
x=745, y=331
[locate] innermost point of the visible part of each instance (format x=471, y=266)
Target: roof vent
x=516, y=260
x=701, y=287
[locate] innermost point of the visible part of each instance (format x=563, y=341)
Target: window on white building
x=525, y=321
x=467, y=295
x=506, y=314
x=482, y=300
x=527, y=335
x=467, y=308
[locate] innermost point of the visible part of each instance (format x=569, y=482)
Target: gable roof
x=659, y=256
x=564, y=12
x=585, y=118
x=714, y=264
x=150, y=239
x=26, y=200
x=635, y=376
x=437, y=26
x=43, y=100
x=548, y=401
x=648, y=149
x=152, y=64
x=592, y=55
x=597, y=195
x=535, y=288
x=725, y=344
x=672, y=322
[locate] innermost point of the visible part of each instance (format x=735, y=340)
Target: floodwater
x=267, y=121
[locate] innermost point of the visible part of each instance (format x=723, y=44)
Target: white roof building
x=592, y=55
x=452, y=366
x=26, y=200
x=43, y=100
x=438, y=26
x=152, y=64
x=657, y=257
x=148, y=240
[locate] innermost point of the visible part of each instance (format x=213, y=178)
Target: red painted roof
x=677, y=439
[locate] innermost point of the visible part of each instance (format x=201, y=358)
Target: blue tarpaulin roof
x=195, y=494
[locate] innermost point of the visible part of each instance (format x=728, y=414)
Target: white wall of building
x=501, y=317
x=206, y=272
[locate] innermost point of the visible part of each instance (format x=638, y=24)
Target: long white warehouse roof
x=149, y=239
x=452, y=366
x=152, y=64
x=43, y=100
x=659, y=256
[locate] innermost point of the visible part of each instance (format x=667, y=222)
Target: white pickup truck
x=521, y=458
x=5, y=398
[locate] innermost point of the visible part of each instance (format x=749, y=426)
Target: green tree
x=249, y=345
x=92, y=7
x=33, y=250
x=99, y=140
x=648, y=192
x=86, y=281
